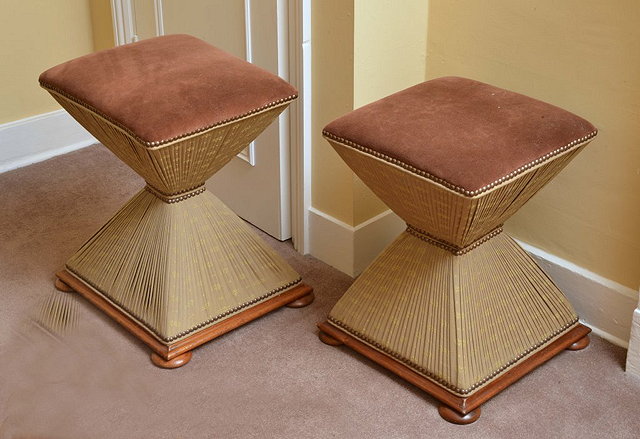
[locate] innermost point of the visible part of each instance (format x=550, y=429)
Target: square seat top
x=464, y=134
x=161, y=89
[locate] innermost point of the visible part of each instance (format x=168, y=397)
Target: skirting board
x=605, y=306
x=37, y=138
x=350, y=249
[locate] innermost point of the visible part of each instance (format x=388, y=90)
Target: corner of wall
x=332, y=89
x=351, y=249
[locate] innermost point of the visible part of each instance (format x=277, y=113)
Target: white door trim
x=123, y=18
x=300, y=126
x=158, y=8
x=249, y=153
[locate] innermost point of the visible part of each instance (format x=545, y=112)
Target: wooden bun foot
x=61, y=286
x=175, y=362
x=327, y=339
x=450, y=415
x=580, y=344
x=302, y=301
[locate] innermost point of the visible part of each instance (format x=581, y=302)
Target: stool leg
x=580, y=344
x=302, y=301
x=61, y=286
x=173, y=363
x=455, y=417
x=327, y=339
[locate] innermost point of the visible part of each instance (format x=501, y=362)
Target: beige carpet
x=269, y=379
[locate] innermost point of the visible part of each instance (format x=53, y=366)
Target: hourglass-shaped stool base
x=489, y=329
x=171, y=356
x=212, y=260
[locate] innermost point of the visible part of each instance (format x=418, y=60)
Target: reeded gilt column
x=454, y=305
x=174, y=265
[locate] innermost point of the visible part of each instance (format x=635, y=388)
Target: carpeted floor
x=269, y=379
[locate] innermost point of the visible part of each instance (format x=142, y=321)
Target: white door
x=256, y=183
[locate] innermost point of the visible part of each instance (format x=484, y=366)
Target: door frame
x=300, y=121
x=299, y=75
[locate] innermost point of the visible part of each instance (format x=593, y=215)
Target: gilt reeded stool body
x=454, y=305
x=175, y=266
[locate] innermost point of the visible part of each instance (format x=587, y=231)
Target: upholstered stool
x=454, y=305
x=175, y=266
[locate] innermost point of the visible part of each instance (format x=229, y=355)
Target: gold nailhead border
x=181, y=136
x=168, y=340
x=177, y=197
x=452, y=186
x=236, y=309
x=438, y=379
x=458, y=251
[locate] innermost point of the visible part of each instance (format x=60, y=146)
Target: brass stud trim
x=176, y=197
x=453, y=187
x=458, y=251
x=439, y=380
x=158, y=143
x=168, y=340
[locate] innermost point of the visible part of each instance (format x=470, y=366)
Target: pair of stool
x=454, y=305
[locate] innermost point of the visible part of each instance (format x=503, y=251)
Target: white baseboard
x=351, y=249
x=605, y=306
x=37, y=138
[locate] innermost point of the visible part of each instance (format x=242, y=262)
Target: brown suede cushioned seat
x=464, y=134
x=169, y=87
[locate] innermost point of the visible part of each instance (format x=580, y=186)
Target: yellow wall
x=101, y=24
x=37, y=35
x=362, y=50
x=332, y=82
x=389, y=55
x=389, y=47
x=582, y=55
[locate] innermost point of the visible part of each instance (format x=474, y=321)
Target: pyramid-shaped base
x=454, y=408
x=176, y=270
x=459, y=322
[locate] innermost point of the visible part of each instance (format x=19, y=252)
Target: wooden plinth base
x=178, y=354
x=458, y=409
